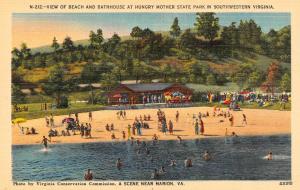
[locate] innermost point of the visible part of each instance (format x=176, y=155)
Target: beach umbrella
x=19, y=120
x=68, y=120
x=117, y=96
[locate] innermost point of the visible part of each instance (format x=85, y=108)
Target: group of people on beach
x=31, y=131
x=49, y=120
x=72, y=125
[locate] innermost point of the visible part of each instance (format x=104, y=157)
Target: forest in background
x=207, y=54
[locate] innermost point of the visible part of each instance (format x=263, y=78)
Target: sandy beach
x=260, y=122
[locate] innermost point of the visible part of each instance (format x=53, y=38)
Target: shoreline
x=148, y=140
x=260, y=123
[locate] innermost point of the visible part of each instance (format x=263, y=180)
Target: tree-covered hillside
x=206, y=54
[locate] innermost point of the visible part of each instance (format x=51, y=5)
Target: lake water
x=241, y=159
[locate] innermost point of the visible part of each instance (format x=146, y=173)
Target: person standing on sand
x=123, y=135
x=128, y=132
x=231, y=120
x=90, y=130
x=202, y=127
x=45, y=142
x=177, y=116
x=51, y=120
x=47, y=121
x=90, y=116
x=76, y=117
x=81, y=130
x=196, y=127
x=121, y=114
x=244, y=119
x=139, y=128
x=88, y=175
x=164, y=127
x=118, y=115
x=112, y=127
x=170, y=127
x=124, y=114
x=133, y=128
x=155, y=137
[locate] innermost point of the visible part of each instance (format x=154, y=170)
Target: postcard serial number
x=285, y=183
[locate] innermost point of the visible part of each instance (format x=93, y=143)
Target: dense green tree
x=25, y=51
x=108, y=81
x=147, y=33
x=254, y=79
x=136, y=32
x=17, y=95
x=211, y=79
x=99, y=37
x=187, y=40
x=230, y=38
x=56, y=85
x=112, y=44
x=16, y=53
x=207, y=25
x=175, y=29
x=138, y=70
x=96, y=39
x=249, y=34
x=16, y=58
x=241, y=76
x=119, y=73
x=167, y=72
x=68, y=44
x=285, y=83
x=55, y=44
x=92, y=39
x=89, y=75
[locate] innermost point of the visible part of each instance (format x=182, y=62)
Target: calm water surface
x=240, y=159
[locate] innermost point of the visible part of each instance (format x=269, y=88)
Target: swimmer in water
x=206, y=156
x=162, y=170
x=155, y=174
x=119, y=163
x=147, y=151
x=270, y=156
x=88, y=175
x=173, y=163
x=234, y=134
x=45, y=142
x=188, y=163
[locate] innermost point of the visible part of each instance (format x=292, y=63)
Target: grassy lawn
x=34, y=110
x=275, y=106
x=214, y=88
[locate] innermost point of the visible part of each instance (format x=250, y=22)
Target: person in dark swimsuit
x=45, y=142
x=88, y=175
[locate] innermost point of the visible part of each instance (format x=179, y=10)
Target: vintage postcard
x=149, y=95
